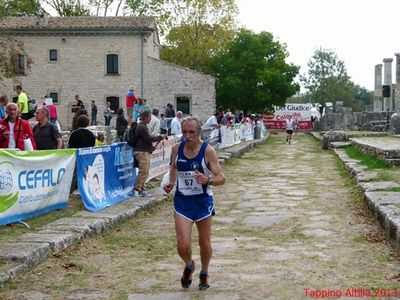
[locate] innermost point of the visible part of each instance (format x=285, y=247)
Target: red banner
x=299, y=113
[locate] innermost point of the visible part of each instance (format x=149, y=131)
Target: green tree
x=68, y=8
x=19, y=8
x=10, y=49
x=194, y=46
x=194, y=30
x=180, y=13
x=327, y=81
x=102, y=6
x=252, y=74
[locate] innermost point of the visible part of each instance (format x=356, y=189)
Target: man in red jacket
x=14, y=130
x=130, y=102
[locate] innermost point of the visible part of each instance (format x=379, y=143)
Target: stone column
x=397, y=91
x=378, y=89
x=387, y=84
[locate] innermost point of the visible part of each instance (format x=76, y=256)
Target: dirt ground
x=290, y=225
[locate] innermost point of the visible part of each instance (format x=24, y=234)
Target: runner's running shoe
x=204, y=282
x=186, y=279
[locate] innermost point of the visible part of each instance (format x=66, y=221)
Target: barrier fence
x=36, y=182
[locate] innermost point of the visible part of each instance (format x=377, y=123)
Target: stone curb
x=30, y=249
x=384, y=205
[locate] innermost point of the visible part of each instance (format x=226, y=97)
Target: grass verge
x=372, y=162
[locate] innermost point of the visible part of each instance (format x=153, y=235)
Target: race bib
x=188, y=184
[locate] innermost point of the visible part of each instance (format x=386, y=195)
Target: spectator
x=121, y=124
x=143, y=149
x=53, y=117
x=78, y=104
x=154, y=125
x=22, y=103
x=176, y=124
x=138, y=108
x=13, y=130
x=93, y=107
x=163, y=124
x=107, y=114
x=45, y=133
x=3, y=104
x=99, y=139
x=130, y=102
x=81, y=137
x=227, y=120
x=169, y=111
x=220, y=110
x=78, y=113
x=240, y=117
x=212, y=122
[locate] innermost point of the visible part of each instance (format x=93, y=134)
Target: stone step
x=340, y=144
x=393, y=162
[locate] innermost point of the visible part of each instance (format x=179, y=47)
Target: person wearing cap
x=130, y=102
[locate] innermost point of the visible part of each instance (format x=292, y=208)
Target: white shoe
x=134, y=193
x=145, y=194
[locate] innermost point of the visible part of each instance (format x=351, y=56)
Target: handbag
x=28, y=144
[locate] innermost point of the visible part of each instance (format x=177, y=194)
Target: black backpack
x=132, y=139
x=32, y=108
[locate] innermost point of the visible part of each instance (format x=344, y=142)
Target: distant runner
x=289, y=129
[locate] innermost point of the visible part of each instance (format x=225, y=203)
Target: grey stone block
x=378, y=185
x=57, y=241
x=27, y=253
x=375, y=199
x=366, y=176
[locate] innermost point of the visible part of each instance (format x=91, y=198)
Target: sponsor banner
x=247, y=132
x=105, y=175
x=230, y=135
x=300, y=113
x=33, y=183
x=159, y=162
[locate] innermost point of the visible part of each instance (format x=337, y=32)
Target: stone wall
x=345, y=119
x=81, y=69
x=165, y=82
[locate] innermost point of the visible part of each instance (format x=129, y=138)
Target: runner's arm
x=218, y=177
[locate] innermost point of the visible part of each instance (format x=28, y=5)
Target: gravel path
x=289, y=225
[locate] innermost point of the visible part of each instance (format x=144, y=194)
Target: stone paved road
x=287, y=221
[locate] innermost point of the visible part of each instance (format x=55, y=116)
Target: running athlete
x=289, y=129
x=194, y=169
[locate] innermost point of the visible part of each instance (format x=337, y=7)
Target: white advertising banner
x=33, y=183
x=159, y=162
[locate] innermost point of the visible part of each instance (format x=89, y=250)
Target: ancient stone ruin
x=383, y=116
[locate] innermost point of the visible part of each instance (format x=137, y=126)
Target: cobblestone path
x=288, y=225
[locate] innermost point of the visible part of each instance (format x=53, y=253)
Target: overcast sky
x=361, y=32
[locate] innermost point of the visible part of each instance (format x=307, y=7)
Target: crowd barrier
x=105, y=175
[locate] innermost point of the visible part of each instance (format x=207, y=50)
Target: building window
x=54, y=96
x=112, y=64
x=183, y=104
x=53, y=55
x=21, y=64
x=114, y=101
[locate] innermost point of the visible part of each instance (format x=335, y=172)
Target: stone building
x=98, y=58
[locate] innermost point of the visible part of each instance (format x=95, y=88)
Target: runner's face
x=190, y=131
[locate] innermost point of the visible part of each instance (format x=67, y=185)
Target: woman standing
x=107, y=114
